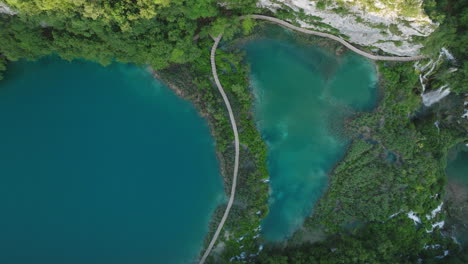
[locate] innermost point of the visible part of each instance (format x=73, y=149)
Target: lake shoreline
x=174, y=84
x=184, y=94
x=456, y=196
x=125, y=129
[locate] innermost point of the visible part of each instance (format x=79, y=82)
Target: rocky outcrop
x=331, y=36
x=435, y=95
x=380, y=25
x=5, y=9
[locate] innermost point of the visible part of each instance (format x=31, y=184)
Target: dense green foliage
x=395, y=163
x=453, y=35
x=395, y=241
x=174, y=36
x=391, y=166
x=252, y=192
x=2, y=66
x=394, y=166
x=195, y=83
x=154, y=32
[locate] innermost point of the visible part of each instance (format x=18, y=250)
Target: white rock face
x=365, y=26
x=437, y=224
x=435, y=96
x=412, y=215
x=465, y=115
x=395, y=214
x=5, y=9
x=435, y=211
x=431, y=97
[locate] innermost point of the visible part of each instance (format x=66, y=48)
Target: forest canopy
x=176, y=34
x=154, y=32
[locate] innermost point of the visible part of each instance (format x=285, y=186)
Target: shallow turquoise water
x=457, y=172
x=101, y=165
x=457, y=164
x=303, y=94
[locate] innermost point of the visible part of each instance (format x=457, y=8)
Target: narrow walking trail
x=231, y=115
x=236, y=142
x=330, y=36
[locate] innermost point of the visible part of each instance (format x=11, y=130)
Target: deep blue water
x=101, y=165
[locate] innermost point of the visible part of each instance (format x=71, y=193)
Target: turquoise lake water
x=457, y=164
x=303, y=94
x=457, y=172
x=101, y=165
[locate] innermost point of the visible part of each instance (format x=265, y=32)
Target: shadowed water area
x=457, y=192
x=457, y=164
x=97, y=166
x=303, y=95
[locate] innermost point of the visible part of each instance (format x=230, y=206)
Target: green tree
x=2, y=66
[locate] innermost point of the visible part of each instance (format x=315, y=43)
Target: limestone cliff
x=5, y=9
x=391, y=26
